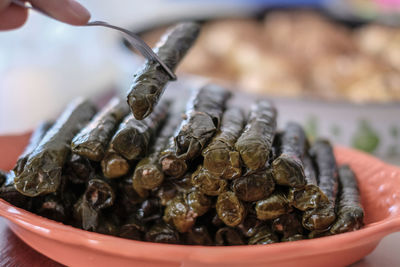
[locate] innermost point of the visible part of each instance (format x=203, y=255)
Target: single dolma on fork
x=288, y=168
x=203, y=117
x=150, y=81
x=34, y=141
x=42, y=172
x=311, y=196
x=148, y=173
x=133, y=137
x=350, y=213
x=92, y=141
x=220, y=157
x=255, y=143
x=324, y=215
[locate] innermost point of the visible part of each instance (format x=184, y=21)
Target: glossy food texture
x=53, y=208
x=288, y=226
x=198, y=235
x=183, y=209
x=3, y=177
x=250, y=225
x=195, y=205
x=78, y=170
x=172, y=165
x=128, y=199
x=310, y=196
x=273, y=206
x=92, y=141
x=34, y=141
x=254, y=186
x=263, y=235
x=85, y=216
x=99, y=194
x=150, y=81
x=114, y=165
x=230, y=209
x=227, y=236
x=133, y=229
x=208, y=183
x=220, y=157
x=161, y=232
x=150, y=210
x=255, y=142
x=288, y=168
x=325, y=160
x=11, y=195
x=133, y=137
x=323, y=216
x=42, y=172
x=203, y=117
x=148, y=172
x=172, y=187
x=350, y=213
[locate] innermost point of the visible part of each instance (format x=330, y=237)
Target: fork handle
x=134, y=39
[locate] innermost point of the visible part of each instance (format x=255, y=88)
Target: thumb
x=68, y=11
x=4, y=4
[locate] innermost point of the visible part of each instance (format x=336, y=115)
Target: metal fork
x=134, y=39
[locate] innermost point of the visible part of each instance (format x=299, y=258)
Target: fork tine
x=138, y=43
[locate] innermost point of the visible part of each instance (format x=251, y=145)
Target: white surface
x=46, y=63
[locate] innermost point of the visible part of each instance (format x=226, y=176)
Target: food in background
x=299, y=54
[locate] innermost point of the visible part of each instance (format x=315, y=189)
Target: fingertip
x=81, y=14
x=4, y=4
x=13, y=17
x=68, y=11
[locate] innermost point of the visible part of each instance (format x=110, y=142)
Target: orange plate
x=380, y=192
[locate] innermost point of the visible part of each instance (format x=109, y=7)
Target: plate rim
x=132, y=248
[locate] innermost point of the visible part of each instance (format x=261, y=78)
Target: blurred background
x=333, y=66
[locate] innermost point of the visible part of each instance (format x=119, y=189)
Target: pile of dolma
x=212, y=174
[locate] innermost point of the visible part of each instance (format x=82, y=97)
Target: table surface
x=14, y=252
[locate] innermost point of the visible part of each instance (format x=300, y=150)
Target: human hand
x=68, y=11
